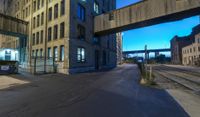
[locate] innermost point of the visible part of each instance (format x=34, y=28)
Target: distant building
x=178, y=43
x=191, y=53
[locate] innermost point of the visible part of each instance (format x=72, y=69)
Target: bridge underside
x=13, y=26
x=145, y=13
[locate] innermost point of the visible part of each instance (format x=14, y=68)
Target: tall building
x=63, y=30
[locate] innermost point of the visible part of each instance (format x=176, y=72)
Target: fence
x=40, y=65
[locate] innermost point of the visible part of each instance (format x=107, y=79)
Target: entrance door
x=96, y=59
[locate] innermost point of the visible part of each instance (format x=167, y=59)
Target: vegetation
x=146, y=77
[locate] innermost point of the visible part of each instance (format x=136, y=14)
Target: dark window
x=50, y=14
x=62, y=53
x=49, y=53
x=38, y=20
x=81, y=12
x=41, y=36
x=55, y=32
x=37, y=38
x=55, y=53
x=56, y=11
x=62, y=12
x=42, y=18
x=81, y=32
x=33, y=39
x=49, y=33
x=62, y=30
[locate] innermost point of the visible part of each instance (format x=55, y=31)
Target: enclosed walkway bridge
x=145, y=13
x=13, y=26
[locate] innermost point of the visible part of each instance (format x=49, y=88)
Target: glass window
x=96, y=7
x=49, y=53
x=81, y=32
x=81, y=12
x=56, y=11
x=81, y=55
x=50, y=14
x=55, y=53
x=49, y=33
x=55, y=32
x=62, y=53
x=62, y=12
x=62, y=30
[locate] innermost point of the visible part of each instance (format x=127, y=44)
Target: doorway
x=96, y=59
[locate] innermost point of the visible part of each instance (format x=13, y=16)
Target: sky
x=157, y=36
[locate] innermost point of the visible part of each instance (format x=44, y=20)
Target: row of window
x=56, y=6
x=39, y=19
x=39, y=53
x=54, y=29
x=191, y=50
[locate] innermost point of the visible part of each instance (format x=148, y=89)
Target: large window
x=96, y=7
x=55, y=53
x=41, y=36
x=62, y=53
x=50, y=14
x=81, y=32
x=37, y=37
x=56, y=11
x=55, y=32
x=49, y=33
x=49, y=53
x=81, y=12
x=81, y=55
x=62, y=11
x=62, y=30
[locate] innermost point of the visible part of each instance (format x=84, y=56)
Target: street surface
x=114, y=93
x=183, y=83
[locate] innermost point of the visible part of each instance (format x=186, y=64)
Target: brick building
x=63, y=29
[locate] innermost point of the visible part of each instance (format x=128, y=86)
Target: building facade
x=63, y=30
x=191, y=53
x=177, y=43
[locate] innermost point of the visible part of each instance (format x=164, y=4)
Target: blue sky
x=157, y=36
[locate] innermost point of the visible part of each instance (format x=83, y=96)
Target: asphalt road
x=114, y=93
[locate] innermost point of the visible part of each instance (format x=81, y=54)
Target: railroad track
x=181, y=80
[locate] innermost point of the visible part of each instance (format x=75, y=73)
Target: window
x=55, y=53
x=34, y=6
x=50, y=14
x=33, y=53
x=38, y=20
x=36, y=54
x=96, y=7
x=38, y=4
x=62, y=12
x=34, y=22
x=111, y=16
x=62, y=53
x=49, y=33
x=42, y=18
x=37, y=37
x=33, y=39
x=55, y=32
x=56, y=11
x=81, y=12
x=96, y=40
x=81, y=55
x=41, y=36
x=62, y=30
x=41, y=52
x=81, y=32
x=49, y=53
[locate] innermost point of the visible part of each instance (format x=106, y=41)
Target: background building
x=178, y=43
x=63, y=30
x=191, y=53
